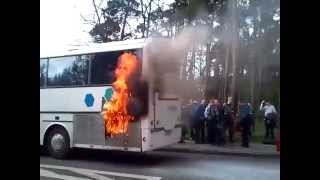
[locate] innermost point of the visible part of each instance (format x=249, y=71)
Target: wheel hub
x=57, y=142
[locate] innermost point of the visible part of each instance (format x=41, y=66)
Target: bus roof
x=95, y=48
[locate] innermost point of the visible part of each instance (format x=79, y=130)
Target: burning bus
x=113, y=96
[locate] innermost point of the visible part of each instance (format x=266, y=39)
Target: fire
x=115, y=113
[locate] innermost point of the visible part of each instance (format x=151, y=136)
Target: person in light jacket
x=269, y=118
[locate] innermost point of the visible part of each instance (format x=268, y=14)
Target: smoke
x=165, y=57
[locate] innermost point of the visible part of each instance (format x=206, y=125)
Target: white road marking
x=50, y=174
x=93, y=173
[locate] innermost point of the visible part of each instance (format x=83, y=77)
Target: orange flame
x=115, y=112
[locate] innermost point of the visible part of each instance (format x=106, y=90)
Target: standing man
x=210, y=123
x=270, y=116
x=200, y=121
x=228, y=118
x=186, y=119
x=245, y=123
x=213, y=113
x=194, y=108
x=220, y=131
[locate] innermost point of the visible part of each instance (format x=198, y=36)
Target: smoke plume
x=165, y=58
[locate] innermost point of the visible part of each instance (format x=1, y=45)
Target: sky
x=61, y=24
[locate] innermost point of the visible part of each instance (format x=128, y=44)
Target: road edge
x=277, y=155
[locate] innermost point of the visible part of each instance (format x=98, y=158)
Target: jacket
x=246, y=114
x=213, y=112
x=194, y=108
x=200, y=116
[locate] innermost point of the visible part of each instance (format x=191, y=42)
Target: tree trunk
x=259, y=60
x=208, y=62
x=252, y=73
x=192, y=64
x=184, y=68
x=259, y=80
x=148, y=21
x=144, y=19
x=96, y=11
x=234, y=56
x=207, y=68
x=226, y=72
x=124, y=24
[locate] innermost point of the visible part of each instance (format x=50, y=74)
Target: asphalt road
x=96, y=164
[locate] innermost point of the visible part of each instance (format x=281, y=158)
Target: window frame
x=64, y=86
x=46, y=72
x=89, y=74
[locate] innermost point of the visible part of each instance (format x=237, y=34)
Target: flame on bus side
x=115, y=112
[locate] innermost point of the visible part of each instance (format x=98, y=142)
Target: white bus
x=73, y=90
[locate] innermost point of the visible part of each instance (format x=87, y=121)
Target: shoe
x=246, y=146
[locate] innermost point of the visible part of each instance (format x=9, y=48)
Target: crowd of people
x=215, y=123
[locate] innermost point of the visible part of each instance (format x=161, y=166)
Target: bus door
x=167, y=104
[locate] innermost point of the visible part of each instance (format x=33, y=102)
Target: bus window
x=43, y=72
x=68, y=71
x=104, y=64
x=102, y=67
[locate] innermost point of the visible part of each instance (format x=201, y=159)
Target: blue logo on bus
x=89, y=100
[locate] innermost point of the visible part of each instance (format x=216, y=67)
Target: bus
x=76, y=83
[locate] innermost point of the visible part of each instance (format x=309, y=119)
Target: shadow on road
x=120, y=157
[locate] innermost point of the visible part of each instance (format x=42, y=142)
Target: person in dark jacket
x=210, y=123
x=246, y=122
x=221, y=131
x=213, y=114
x=228, y=118
x=194, y=108
x=199, y=123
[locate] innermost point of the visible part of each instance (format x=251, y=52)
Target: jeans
x=245, y=134
x=199, y=134
x=229, y=126
x=220, y=135
x=245, y=124
x=212, y=131
x=269, y=130
x=184, y=131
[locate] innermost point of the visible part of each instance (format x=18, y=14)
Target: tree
x=115, y=20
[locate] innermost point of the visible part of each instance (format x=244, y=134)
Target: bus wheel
x=58, y=143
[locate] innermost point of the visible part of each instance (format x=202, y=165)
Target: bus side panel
x=164, y=138
x=167, y=114
x=72, y=99
x=130, y=139
x=50, y=119
x=146, y=133
x=89, y=129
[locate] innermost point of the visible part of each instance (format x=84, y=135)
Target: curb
x=220, y=152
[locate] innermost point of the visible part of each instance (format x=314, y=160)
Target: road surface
x=96, y=164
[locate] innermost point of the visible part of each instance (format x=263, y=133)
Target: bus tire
x=58, y=143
